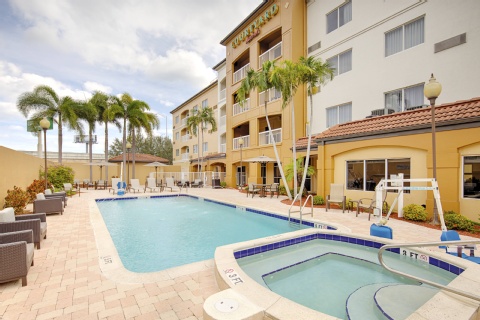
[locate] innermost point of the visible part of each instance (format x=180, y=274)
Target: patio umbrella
x=155, y=164
x=101, y=164
x=260, y=159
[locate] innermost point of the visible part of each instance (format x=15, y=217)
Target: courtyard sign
x=253, y=29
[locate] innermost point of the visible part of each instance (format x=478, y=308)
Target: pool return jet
x=380, y=229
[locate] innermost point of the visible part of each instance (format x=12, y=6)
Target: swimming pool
x=314, y=266
x=157, y=233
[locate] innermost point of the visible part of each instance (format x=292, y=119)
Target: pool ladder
x=428, y=244
x=290, y=211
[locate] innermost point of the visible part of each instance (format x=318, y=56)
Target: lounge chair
x=114, y=187
x=100, y=184
x=252, y=189
x=198, y=183
x=44, y=205
x=151, y=185
x=273, y=188
x=62, y=195
x=135, y=186
x=87, y=183
x=36, y=222
x=336, y=196
x=170, y=183
x=16, y=255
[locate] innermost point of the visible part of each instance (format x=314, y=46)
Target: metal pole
x=45, y=143
x=241, y=167
x=434, y=158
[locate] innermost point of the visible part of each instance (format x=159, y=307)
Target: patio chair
x=36, y=222
x=135, y=186
x=16, y=255
x=370, y=204
x=198, y=183
x=62, y=195
x=100, y=184
x=452, y=235
x=252, y=189
x=69, y=188
x=151, y=184
x=336, y=196
x=114, y=187
x=44, y=205
x=87, y=183
x=273, y=188
x=170, y=183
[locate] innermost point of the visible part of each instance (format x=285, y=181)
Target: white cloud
x=92, y=86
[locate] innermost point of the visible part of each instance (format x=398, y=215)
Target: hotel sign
x=253, y=29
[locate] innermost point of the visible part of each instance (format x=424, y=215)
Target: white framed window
x=405, y=98
x=405, y=36
x=194, y=110
x=204, y=103
x=177, y=152
x=177, y=135
x=205, y=147
x=341, y=63
x=177, y=119
x=339, y=16
x=195, y=148
x=339, y=114
x=366, y=174
x=471, y=177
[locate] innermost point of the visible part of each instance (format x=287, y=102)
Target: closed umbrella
x=155, y=164
x=101, y=164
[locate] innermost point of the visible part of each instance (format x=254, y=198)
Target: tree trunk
x=304, y=178
x=60, y=137
x=90, y=142
x=133, y=155
x=124, y=162
x=106, y=150
x=294, y=149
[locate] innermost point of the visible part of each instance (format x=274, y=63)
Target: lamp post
x=240, y=143
x=129, y=147
x=45, y=125
x=432, y=90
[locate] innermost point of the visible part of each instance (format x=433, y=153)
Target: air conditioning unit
x=383, y=111
x=416, y=107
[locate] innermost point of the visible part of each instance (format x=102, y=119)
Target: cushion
x=7, y=215
x=40, y=196
x=48, y=191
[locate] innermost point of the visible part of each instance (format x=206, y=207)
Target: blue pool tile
x=444, y=265
x=454, y=269
x=352, y=240
x=433, y=261
x=368, y=243
x=361, y=242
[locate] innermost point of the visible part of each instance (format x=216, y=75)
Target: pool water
x=153, y=234
x=323, y=274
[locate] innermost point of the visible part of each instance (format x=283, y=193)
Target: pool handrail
x=290, y=209
x=428, y=244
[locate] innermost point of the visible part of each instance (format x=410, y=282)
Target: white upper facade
x=385, y=50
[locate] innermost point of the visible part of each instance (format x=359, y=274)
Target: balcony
x=264, y=137
x=246, y=142
x=270, y=95
x=272, y=54
x=241, y=108
x=223, y=147
x=222, y=95
x=241, y=73
x=222, y=124
x=186, y=156
x=186, y=137
x=183, y=122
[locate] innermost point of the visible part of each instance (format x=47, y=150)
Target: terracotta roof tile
x=455, y=112
x=139, y=157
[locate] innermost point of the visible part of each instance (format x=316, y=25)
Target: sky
x=159, y=51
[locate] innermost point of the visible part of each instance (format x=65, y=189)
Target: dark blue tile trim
x=323, y=236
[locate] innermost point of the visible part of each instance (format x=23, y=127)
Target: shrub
x=37, y=186
x=318, y=200
x=223, y=184
x=456, y=221
x=282, y=190
x=16, y=198
x=58, y=175
x=415, y=212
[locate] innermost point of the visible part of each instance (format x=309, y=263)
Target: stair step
x=361, y=306
x=400, y=301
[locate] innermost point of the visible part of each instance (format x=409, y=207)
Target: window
x=341, y=63
x=205, y=147
x=177, y=119
x=177, y=135
x=205, y=103
x=339, y=114
x=177, y=152
x=471, y=177
x=405, y=98
x=366, y=174
x=404, y=37
x=276, y=174
x=194, y=110
x=195, y=148
x=339, y=17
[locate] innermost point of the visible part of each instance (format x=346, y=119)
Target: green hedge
x=415, y=212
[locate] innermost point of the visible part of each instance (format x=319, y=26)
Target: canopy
x=260, y=159
x=101, y=164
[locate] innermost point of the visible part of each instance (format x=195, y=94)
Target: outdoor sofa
x=16, y=255
x=36, y=222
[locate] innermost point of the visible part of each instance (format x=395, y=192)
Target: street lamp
x=240, y=143
x=45, y=125
x=129, y=147
x=432, y=90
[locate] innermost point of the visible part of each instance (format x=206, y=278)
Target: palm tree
x=44, y=102
x=199, y=121
x=89, y=113
x=294, y=170
x=313, y=73
x=263, y=80
x=109, y=111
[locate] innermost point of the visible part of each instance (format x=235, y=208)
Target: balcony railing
x=185, y=156
x=271, y=54
x=271, y=95
x=223, y=147
x=241, y=73
x=186, y=137
x=223, y=94
x=246, y=142
x=183, y=122
x=240, y=108
x=264, y=137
